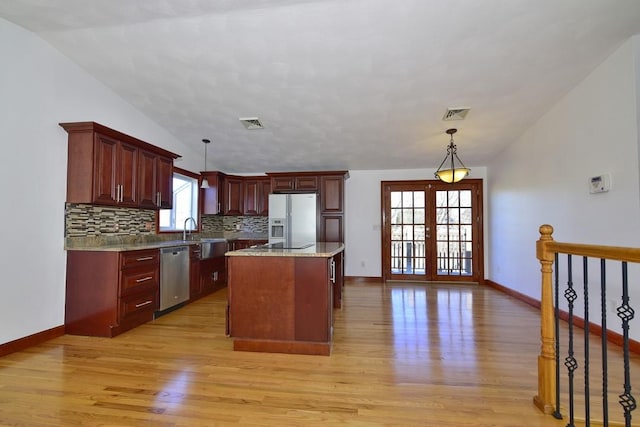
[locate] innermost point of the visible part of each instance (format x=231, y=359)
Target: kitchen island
x=282, y=300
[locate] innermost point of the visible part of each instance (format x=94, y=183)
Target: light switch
x=600, y=183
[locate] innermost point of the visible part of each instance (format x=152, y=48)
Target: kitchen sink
x=210, y=248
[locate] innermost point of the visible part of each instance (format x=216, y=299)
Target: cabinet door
x=264, y=189
x=148, y=194
x=105, y=172
x=234, y=196
x=251, y=197
x=212, y=197
x=282, y=183
x=195, y=285
x=332, y=194
x=164, y=182
x=127, y=174
x=331, y=228
x=306, y=183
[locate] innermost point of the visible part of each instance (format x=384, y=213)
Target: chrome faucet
x=184, y=231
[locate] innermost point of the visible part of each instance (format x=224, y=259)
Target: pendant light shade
x=205, y=182
x=452, y=172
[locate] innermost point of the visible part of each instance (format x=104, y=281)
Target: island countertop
x=318, y=249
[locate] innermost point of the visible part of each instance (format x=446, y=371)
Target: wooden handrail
x=546, y=248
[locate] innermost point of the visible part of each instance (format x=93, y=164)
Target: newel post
x=546, y=398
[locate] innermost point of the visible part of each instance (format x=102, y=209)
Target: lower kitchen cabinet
x=213, y=275
x=110, y=292
x=235, y=245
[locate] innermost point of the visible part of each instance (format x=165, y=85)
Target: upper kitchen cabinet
x=233, y=196
x=212, y=198
x=111, y=168
x=256, y=196
x=155, y=181
x=285, y=182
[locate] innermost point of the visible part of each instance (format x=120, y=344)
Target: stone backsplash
x=83, y=220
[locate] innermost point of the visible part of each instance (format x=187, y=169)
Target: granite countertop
x=319, y=249
x=134, y=243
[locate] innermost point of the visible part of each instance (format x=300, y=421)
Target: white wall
x=542, y=178
x=40, y=88
x=363, y=219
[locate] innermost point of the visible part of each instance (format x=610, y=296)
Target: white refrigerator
x=292, y=219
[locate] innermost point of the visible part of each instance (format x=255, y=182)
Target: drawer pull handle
x=144, y=258
x=144, y=279
x=142, y=304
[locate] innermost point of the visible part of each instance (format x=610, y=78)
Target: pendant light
x=453, y=173
x=205, y=182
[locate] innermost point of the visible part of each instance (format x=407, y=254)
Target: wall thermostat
x=600, y=183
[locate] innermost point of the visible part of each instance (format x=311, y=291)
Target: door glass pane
x=465, y=198
x=465, y=216
x=454, y=233
x=408, y=251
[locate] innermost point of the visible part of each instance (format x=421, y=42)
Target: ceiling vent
x=455, y=114
x=251, y=123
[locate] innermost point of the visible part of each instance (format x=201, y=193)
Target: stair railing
x=548, y=398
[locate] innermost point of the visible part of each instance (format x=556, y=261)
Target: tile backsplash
x=83, y=220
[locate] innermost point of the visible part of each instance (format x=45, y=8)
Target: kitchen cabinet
x=233, y=196
x=331, y=227
x=213, y=274
x=195, y=284
x=155, y=181
x=238, y=244
x=256, y=196
x=109, y=292
x=107, y=167
x=289, y=182
x=283, y=302
x=213, y=197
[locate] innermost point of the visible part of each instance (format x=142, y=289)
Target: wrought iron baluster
x=570, y=361
x=587, y=405
x=557, y=414
x=626, y=313
x=603, y=320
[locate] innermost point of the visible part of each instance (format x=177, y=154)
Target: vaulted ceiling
x=337, y=84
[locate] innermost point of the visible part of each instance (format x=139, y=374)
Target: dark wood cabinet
x=107, y=167
x=110, y=292
x=212, y=198
x=282, y=304
x=256, y=196
x=213, y=274
x=115, y=176
x=155, y=181
x=235, y=245
x=290, y=182
x=195, y=284
x=233, y=196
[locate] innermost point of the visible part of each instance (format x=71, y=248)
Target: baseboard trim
x=31, y=340
x=363, y=279
x=612, y=337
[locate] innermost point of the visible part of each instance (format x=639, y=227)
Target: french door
x=432, y=231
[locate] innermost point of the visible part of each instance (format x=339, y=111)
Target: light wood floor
x=403, y=355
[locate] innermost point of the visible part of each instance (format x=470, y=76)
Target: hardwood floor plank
x=437, y=355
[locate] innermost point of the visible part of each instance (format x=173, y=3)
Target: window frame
x=192, y=175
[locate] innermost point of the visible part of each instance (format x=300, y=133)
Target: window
x=185, y=204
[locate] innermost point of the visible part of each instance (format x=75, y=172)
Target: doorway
x=432, y=231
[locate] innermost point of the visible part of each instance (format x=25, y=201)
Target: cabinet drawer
x=143, y=257
x=133, y=304
x=135, y=280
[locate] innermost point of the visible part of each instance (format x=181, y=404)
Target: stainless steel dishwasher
x=174, y=276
